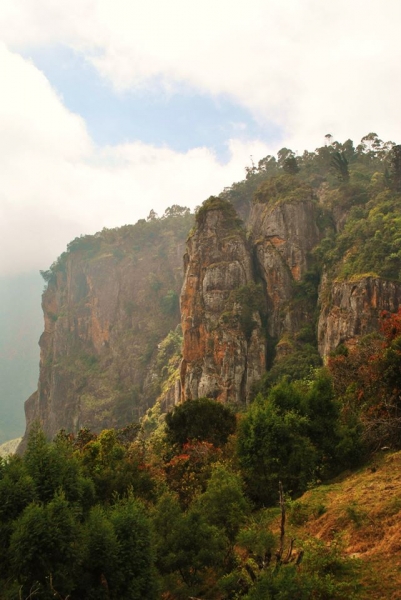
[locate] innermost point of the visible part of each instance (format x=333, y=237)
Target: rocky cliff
x=109, y=303
x=351, y=309
x=313, y=267
x=283, y=235
x=221, y=309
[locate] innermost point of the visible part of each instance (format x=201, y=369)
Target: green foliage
x=290, y=165
x=53, y=467
x=347, y=195
x=223, y=503
x=44, y=543
x=176, y=211
x=187, y=546
x=294, y=366
x=115, y=468
x=339, y=164
x=321, y=409
x=257, y=538
x=100, y=555
x=272, y=447
x=242, y=306
x=374, y=228
x=17, y=488
x=295, y=435
x=170, y=303
x=203, y=419
x=307, y=287
x=323, y=574
x=17, y=491
x=395, y=168
x=230, y=217
x=135, y=576
x=284, y=188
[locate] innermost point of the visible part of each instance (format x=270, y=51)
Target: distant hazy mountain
x=21, y=324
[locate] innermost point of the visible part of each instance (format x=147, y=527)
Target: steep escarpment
x=361, y=264
x=351, y=309
x=283, y=225
x=313, y=266
x=221, y=309
x=110, y=301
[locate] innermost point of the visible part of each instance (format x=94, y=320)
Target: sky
x=111, y=108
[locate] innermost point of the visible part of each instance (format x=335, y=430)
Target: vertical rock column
x=224, y=346
x=284, y=235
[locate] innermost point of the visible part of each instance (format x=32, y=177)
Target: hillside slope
x=364, y=510
x=310, y=268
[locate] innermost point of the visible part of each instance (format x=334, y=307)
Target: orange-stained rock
x=222, y=357
x=105, y=314
x=351, y=309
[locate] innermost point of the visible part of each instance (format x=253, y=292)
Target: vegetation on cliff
x=187, y=505
x=112, y=298
x=230, y=219
x=109, y=302
x=189, y=508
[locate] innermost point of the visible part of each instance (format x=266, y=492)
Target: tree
x=290, y=165
x=223, y=503
x=202, y=419
x=186, y=545
x=274, y=446
x=282, y=155
x=54, y=467
x=152, y=216
x=395, y=168
x=135, y=576
x=188, y=472
x=100, y=556
x=368, y=378
x=176, y=211
x=17, y=491
x=339, y=164
x=44, y=546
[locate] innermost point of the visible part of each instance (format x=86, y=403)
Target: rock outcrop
x=351, y=309
x=109, y=303
x=221, y=306
x=283, y=235
x=112, y=340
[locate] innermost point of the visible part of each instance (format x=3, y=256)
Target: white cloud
x=309, y=66
x=56, y=184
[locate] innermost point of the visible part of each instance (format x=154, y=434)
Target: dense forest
x=206, y=500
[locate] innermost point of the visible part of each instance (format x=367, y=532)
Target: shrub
x=203, y=419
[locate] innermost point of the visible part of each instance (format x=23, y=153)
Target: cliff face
x=221, y=306
x=112, y=342
x=283, y=235
x=109, y=303
x=351, y=309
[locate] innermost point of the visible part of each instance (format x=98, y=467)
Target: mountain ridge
x=287, y=281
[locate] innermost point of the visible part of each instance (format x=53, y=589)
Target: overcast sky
x=109, y=108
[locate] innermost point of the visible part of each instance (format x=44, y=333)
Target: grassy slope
x=365, y=509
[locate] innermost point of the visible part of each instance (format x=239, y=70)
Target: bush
x=274, y=446
x=203, y=419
